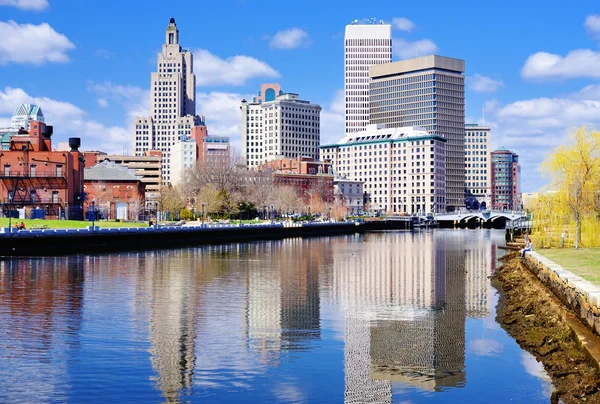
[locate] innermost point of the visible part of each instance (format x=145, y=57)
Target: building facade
x=276, y=125
x=365, y=44
x=506, y=173
x=350, y=193
x=183, y=157
x=211, y=150
x=478, y=165
x=24, y=115
x=172, y=102
x=147, y=167
x=427, y=92
x=116, y=192
x=403, y=169
x=38, y=182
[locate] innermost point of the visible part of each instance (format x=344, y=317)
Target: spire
x=172, y=35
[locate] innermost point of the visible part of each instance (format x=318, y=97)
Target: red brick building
x=35, y=179
x=114, y=191
x=210, y=149
x=308, y=176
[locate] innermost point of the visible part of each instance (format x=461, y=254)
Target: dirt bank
x=535, y=319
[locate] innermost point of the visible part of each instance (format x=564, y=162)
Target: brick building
x=36, y=181
x=116, y=192
x=306, y=175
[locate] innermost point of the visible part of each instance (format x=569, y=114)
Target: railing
x=35, y=174
x=31, y=201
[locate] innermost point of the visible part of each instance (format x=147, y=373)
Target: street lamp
x=272, y=213
x=240, y=214
x=309, y=216
x=329, y=215
x=202, y=213
x=93, y=213
x=264, y=212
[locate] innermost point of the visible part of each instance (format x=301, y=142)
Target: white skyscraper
x=172, y=102
x=478, y=164
x=365, y=44
x=277, y=124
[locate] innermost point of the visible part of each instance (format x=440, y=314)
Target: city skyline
x=536, y=80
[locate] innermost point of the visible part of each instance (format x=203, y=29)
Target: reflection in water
x=40, y=316
x=248, y=319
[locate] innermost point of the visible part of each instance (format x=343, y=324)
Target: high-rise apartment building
x=172, y=102
x=403, y=169
x=276, y=125
x=506, y=173
x=478, y=165
x=428, y=92
x=365, y=44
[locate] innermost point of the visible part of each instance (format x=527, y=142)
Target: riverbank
x=66, y=242
x=536, y=319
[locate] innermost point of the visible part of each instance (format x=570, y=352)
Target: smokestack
x=74, y=143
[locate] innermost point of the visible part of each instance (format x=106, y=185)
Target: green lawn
x=69, y=224
x=584, y=262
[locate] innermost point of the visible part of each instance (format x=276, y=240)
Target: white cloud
x=35, y=44
x=211, y=70
x=103, y=53
x=483, y=84
x=403, y=24
x=577, y=63
x=406, y=49
x=223, y=115
x=534, y=127
x=592, y=24
x=36, y=5
x=290, y=39
x=102, y=103
x=68, y=121
x=333, y=119
x=135, y=101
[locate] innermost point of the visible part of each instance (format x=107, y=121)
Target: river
x=384, y=317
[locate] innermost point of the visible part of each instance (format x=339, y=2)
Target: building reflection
x=41, y=304
x=283, y=299
x=406, y=298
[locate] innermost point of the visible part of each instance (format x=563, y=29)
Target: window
x=59, y=170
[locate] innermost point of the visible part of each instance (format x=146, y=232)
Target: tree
x=575, y=170
x=286, y=199
x=170, y=201
x=339, y=212
x=101, y=195
x=225, y=176
x=208, y=196
x=136, y=206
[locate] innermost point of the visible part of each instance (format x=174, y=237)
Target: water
x=380, y=318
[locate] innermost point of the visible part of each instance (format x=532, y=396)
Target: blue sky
x=534, y=68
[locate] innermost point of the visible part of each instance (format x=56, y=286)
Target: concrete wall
x=576, y=293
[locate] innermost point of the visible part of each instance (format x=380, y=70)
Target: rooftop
x=109, y=171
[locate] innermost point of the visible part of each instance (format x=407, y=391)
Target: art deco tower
x=172, y=102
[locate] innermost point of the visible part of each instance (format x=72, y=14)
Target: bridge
x=465, y=215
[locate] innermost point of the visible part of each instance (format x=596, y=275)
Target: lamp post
x=202, y=213
x=264, y=212
x=309, y=216
x=272, y=214
x=93, y=213
x=329, y=215
x=240, y=215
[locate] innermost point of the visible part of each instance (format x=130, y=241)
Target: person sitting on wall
x=528, y=247
x=17, y=227
x=22, y=226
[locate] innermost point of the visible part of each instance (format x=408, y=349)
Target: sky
x=532, y=68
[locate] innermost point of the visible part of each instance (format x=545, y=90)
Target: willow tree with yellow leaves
x=575, y=172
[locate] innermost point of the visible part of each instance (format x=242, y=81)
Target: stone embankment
x=530, y=312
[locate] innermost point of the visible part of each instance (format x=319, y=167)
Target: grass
x=69, y=224
x=584, y=262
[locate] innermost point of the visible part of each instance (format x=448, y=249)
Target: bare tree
x=286, y=199
x=259, y=189
x=101, y=196
x=225, y=176
x=136, y=206
x=170, y=201
x=339, y=212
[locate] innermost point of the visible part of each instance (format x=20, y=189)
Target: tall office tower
x=506, y=176
x=365, y=44
x=276, y=125
x=172, y=102
x=429, y=92
x=478, y=166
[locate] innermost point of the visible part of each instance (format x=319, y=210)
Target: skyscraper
x=172, y=102
x=478, y=165
x=427, y=91
x=277, y=124
x=365, y=44
x=506, y=173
